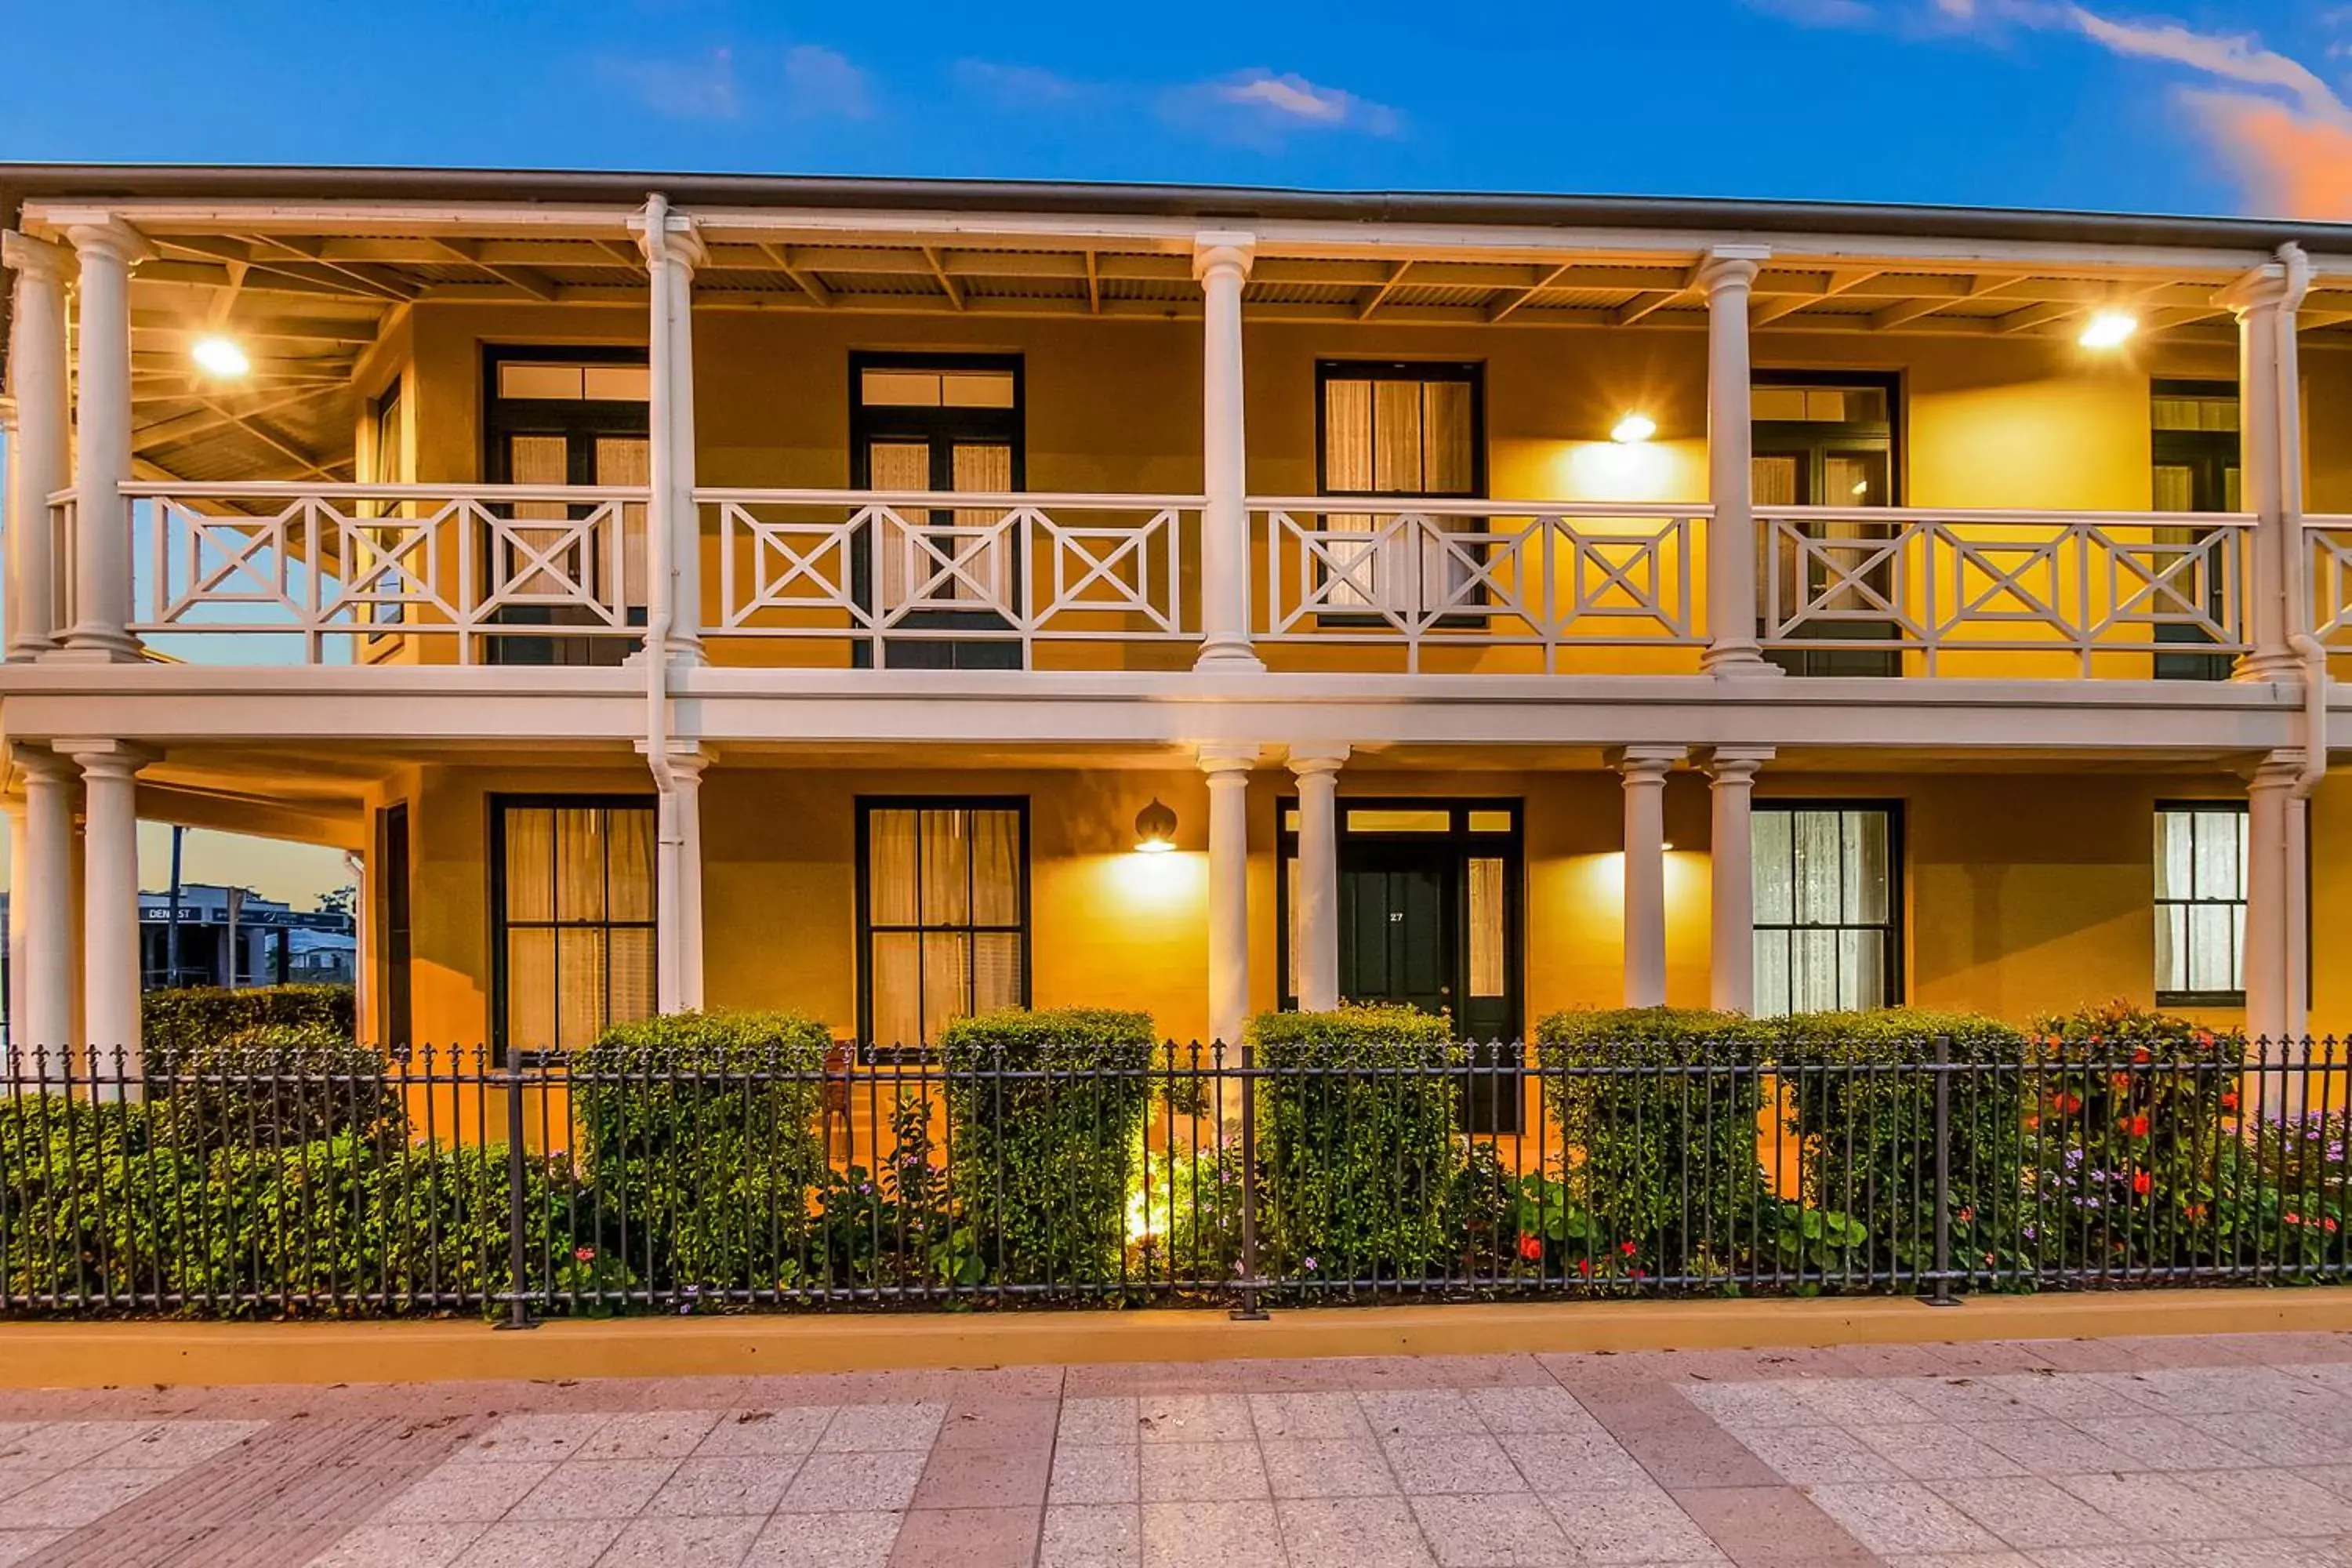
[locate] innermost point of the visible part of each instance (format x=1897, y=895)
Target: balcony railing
x=924, y=580
x=1474, y=577
x=341, y=572
x=1939, y=587
x=276, y=573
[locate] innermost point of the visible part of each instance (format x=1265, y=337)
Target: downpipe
x=669, y=832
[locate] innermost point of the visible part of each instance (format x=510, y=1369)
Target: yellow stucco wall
x=2024, y=893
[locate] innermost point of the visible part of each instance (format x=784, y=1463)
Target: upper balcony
x=838, y=437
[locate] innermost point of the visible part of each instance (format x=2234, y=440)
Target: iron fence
x=439, y=1180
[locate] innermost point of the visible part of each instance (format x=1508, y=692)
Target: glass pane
x=2176, y=488
x=1290, y=946
x=559, y=382
x=947, y=980
x=1777, y=403
x=629, y=863
x=947, y=867
x=995, y=867
x=1855, y=479
x=1379, y=820
x=579, y=980
x=1772, y=974
x=899, y=388
x=898, y=466
x=995, y=971
x=1862, y=969
x=1486, y=926
x=579, y=864
x=616, y=382
x=1445, y=413
x=1290, y=819
x=982, y=468
x=2220, y=865
x=2233, y=496
x=1814, y=985
x=1820, y=863
x=1774, y=481
x=631, y=950
x=897, y=989
x=530, y=864
x=530, y=989
x=1868, y=881
x=2212, y=947
x=1348, y=435
x=890, y=870
x=1776, y=876
x=538, y=460
x=1490, y=822
x=2174, y=839
x=976, y=389
x=1397, y=437
x=2172, y=947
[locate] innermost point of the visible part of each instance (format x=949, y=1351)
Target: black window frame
x=396, y=848
x=1813, y=440
x=498, y=804
x=865, y=807
x=2207, y=455
x=1471, y=372
x=2242, y=811
x=1896, y=926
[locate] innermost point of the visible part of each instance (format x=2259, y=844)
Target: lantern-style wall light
x=1155, y=828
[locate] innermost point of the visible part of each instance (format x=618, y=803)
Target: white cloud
x=698, y=88
x=1260, y=106
x=824, y=84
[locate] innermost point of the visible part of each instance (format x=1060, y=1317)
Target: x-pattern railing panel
x=336, y=563
x=877, y=567
x=1936, y=582
x=2327, y=558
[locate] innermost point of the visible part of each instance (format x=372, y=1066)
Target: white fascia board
x=333, y=217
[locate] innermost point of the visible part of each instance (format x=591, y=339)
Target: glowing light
x=1862, y=487
x=219, y=356
x=1155, y=829
x=2109, y=330
x=1634, y=428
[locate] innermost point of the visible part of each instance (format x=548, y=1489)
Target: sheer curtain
x=947, y=936
x=1825, y=909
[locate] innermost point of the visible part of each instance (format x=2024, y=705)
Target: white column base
x=1229, y=659
x=104, y=645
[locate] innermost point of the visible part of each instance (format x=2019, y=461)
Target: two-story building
x=1500, y=604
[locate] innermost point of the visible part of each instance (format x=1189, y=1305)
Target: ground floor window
x=1829, y=902
x=2200, y=904
x=942, y=914
x=573, y=947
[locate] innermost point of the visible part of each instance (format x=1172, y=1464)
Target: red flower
x=2291, y=1218
x=2067, y=1104
x=2140, y=1055
x=1584, y=1267
x=2134, y=1126
x=2230, y=1099
x=584, y=1254
x=1530, y=1247
x=2121, y=1080
x=2325, y=1224
x=2195, y=1212
x=2141, y=1183
x=1639, y=1275
x=1627, y=1248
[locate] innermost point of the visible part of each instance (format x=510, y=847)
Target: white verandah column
x=1725, y=277
x=108, y=248
x=2274, y=876
x=687, y=766
x=1645, y=769
x=40, y=463
x=1221, y=263
x=44, y=891
x=2271, y=459
x=1731, y=870
x=1228, y=766
x=672, y=255
x=1316, y=768
x=111, y=963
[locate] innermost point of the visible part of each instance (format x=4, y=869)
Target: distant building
x=232, y=936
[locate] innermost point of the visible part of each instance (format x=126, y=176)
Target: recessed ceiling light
x=2109, y=328
x=219, y=356
x=1634, y=427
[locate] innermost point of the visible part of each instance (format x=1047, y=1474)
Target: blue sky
x=2196, y=107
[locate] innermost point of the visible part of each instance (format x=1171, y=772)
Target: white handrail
x=1451, y=506
x=296, y=490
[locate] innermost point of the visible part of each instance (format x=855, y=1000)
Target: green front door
x=1396, y=930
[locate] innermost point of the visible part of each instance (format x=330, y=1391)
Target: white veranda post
x=1228, y=767
x=1316, y=768
x=1645, y=769
x=40, y=460
x=1726, y=276
x=108, y=248
x=111, y=961
x=2265, y=302
x=42, y=898
x=1222, y=262
x=1731, y=869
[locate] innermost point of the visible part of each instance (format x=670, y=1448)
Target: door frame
x=1509, y=845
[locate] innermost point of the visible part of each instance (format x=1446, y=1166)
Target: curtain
x=1487, y=965
x=537, y=460
x=628, y=460
x=1824, y=895
x=982, y=470
x=896, y=467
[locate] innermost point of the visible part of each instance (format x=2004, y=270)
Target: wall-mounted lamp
x=1632, y=428
x=1155, y=829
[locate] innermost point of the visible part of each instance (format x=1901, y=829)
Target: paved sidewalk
x=2069, y=1453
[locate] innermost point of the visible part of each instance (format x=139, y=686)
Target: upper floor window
x=2201, y=903
x=1829, y=901
x=1406, y=429
x=1827, y=439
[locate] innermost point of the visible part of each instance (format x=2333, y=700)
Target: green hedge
x=1040, y=1165
x=1867, y=1143
x=1662, y=1175
x=271, y=1086
x=702, y=1145
x=100, y=1199
x=1357, y=1152
x=200, y=1015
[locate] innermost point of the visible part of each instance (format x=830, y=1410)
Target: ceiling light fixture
x=2109, y=330
x=219, y=356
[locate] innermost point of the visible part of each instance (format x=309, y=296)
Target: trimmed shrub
x=2135, y=1162
x=1661, y=1170
x=1357, y=1145
x=203, y=1015
x=1867, y=1134
x=1040, y=1165
x=703, y=1145
x=271, y=1088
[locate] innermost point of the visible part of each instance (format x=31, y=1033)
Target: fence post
x=1249, y=1312
x=518, y=1189
x=1941, y=1296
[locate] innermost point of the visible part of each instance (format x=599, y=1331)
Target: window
x=1829, y=902
x=399, y=976
x=1823, y=440
x=2201, y=903
x=2193, y=442
x=1408, y=430
x=942, y=914
x=573, y=888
